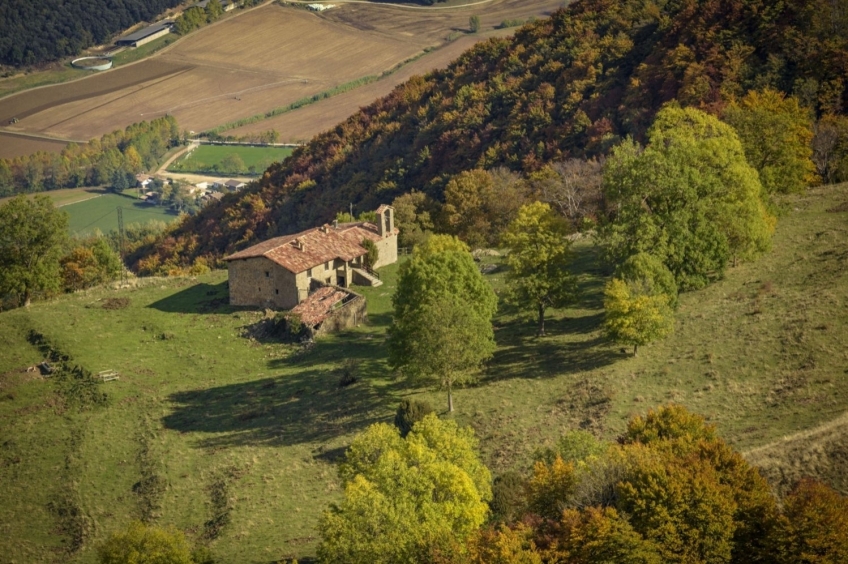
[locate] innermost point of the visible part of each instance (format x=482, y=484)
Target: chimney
x=335, y=224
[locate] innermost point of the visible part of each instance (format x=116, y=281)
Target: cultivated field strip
x=258, y=60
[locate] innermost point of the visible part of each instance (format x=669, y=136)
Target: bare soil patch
x=12, y=146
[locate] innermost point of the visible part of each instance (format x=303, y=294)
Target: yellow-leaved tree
x=635, y=314
x=406, y=499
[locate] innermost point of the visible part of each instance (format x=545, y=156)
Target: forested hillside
x=37, y=31
x=573, y=85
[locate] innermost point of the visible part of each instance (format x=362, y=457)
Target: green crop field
x=101, y=213
x=240, y=434
x=209, y=158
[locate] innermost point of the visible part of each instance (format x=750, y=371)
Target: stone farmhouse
x=280, y=273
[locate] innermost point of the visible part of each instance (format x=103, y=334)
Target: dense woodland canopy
x=573, y=85
x=38, y=31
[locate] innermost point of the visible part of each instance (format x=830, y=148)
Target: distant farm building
x=282, y=272
x=143, y=180
x=146, y=35
x=234, y=185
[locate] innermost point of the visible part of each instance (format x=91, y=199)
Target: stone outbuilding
x=280, y=273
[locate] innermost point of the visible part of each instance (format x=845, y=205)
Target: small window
x=267, y=274
x=327, y=266
x=309, y=273
x=277, y=291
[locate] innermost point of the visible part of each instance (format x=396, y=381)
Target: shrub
x=410, y=412
x=508, y=497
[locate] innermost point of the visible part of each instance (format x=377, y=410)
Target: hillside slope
x=205, y=404
x=570, y=85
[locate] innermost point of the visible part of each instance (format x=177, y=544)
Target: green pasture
x=207, y=157
x=101, y=213
x=208, y=403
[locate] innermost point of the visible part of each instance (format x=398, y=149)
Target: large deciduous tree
x=32, y=235
x=775, y=132
x=405, y=498
x=689, y=198
x=442, y=315
x=538, y=260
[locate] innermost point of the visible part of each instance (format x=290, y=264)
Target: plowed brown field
x=304, y=123
x=258, y=60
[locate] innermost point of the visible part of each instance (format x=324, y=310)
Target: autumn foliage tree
x=775, y=131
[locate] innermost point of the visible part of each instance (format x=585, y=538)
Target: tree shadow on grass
x=198, y=298
x=306, y=405
x=522, y=354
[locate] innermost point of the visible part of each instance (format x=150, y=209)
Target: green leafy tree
x=142, y=544
x=442, y=316
x=402, y=497
x=414, y=216
x=32, y=236
x=648, y=271
x=538, y=260
x=776, y=133
x=372, y=254
x=410, y=412
x=689, y=198
x=436, y=244
x=474, y=24
x=233, y=163
x=634, y=315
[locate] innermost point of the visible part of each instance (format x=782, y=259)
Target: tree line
x=114, y=159
x=35, y=32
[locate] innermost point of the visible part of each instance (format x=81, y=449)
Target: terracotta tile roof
x=316, y=246
x=315, y=309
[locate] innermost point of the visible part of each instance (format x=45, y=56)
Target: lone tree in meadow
x=538, y=260
x=443, y=308
x=33, y=234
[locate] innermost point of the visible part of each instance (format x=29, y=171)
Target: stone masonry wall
x=260, y=282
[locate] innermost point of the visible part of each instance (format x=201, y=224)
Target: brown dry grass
x=261, y=59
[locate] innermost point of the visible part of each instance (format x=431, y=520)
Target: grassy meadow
x=233, y=437
x=101, y=213
x=210, y=157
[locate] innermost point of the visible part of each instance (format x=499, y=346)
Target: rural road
x=404, y=6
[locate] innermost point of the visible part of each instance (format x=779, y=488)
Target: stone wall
x=260, y=282
x=348, y=315
x=387, y=247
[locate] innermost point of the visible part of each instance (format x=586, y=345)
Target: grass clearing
x=243, y=434
x=208, y=158
x=101, y=213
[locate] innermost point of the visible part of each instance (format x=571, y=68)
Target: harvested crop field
x=12, y=145
x=299, y=126
x=261, y=59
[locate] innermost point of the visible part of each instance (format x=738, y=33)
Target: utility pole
x=351, y=211
x=121, y=244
